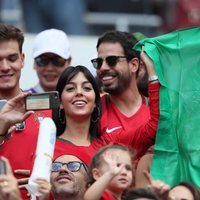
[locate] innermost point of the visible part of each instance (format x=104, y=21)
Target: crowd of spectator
x=72, y=16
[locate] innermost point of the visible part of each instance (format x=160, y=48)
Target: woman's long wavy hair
x=59, y=118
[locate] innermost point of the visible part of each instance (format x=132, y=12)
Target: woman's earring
x=61, y=116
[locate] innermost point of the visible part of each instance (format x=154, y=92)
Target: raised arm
x=13, y=112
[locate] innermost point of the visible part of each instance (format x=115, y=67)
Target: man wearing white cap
x=51, y=53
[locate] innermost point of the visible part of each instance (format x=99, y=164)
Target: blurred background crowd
x=85, y=20
x=93, y=17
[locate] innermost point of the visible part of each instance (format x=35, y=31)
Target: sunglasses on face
x=110, y=61
x=43, y=61
x=73, y=166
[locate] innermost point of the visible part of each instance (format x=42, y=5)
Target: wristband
x=153, y=78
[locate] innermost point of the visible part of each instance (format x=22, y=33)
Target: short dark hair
x=125, y=39
x=9, y=32
x=65, y=78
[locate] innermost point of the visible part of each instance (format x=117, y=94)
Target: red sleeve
x=144, y=137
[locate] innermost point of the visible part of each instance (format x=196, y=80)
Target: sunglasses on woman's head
x=73, y=166
x=110, y=61
x=44, y=60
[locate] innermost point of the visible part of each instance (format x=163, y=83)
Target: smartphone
x=43, y=101
x=2, y=167
x=2, y=103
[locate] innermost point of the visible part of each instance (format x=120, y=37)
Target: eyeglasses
x=43, y=61
x=73, y=166
x=110, y=61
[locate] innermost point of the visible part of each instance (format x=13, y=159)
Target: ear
x=134, y=64
x=22, y=59
x=69, y=60
x=34, y=66
x=96, y=173
x=142, y=68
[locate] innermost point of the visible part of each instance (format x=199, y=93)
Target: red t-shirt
x=20, y=148
x=113, y=121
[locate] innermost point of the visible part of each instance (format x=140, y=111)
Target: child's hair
x=97, y=158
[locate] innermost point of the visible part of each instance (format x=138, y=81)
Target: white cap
x=52, y=41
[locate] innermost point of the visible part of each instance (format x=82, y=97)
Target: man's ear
x=142, y=69
x=96, y=173
x=34, y=66
x=68, y=62
x=134, y=63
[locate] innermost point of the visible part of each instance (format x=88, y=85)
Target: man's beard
x=122, y=84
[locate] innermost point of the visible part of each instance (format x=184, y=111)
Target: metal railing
x=123, y=21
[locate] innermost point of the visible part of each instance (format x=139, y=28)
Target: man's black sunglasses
x=43, y=61
x=110, y=61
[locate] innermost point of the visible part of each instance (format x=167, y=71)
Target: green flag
x=176, y=57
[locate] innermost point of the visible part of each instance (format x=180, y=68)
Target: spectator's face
x=78, y=97
x=49, y=72
x=180, y=192
x=124, y=179
x=11, y=63
x=117, y=78
x=67, y=183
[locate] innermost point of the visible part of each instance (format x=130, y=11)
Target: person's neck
x=128, y=102
x=9, y=94
x=77, y=132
